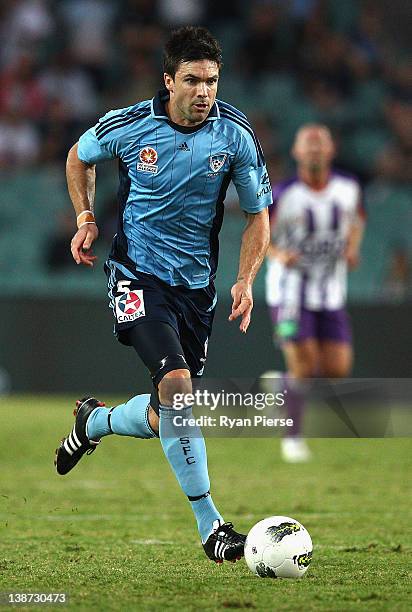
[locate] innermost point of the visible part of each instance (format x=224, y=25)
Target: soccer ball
x=278, y=547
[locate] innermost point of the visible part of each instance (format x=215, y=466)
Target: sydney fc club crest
x=148, y=158
x=216, y=162
x=130, y=306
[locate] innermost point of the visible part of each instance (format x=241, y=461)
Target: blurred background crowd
x=64, y=63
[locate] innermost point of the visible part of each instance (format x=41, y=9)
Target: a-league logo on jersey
x=130, y=306
x=216, y=162
x=148, y=158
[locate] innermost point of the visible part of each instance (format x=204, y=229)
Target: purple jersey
x=316, y=224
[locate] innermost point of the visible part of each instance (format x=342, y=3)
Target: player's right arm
x=81, y=181
x=93, y=147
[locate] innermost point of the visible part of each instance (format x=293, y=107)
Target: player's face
x=314, y=148
x=192, y=91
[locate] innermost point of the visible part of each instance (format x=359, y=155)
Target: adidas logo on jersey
x=183, y=147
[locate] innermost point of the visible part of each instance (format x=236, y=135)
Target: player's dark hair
x=189, y=44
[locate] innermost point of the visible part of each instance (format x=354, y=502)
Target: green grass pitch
x=118, y=534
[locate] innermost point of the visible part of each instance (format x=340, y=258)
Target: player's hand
x=242, y=303
x=82, y=242
x=352, y=257
x=288, y=257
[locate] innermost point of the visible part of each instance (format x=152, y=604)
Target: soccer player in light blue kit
x=177, y=155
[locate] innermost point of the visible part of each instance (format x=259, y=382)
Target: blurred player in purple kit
x=317, y=223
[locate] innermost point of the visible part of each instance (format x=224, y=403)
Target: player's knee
x=303, y=369
x=337, y=365
x=166, y=365
x=175, y=386
x=302, y=359
x=341, y=370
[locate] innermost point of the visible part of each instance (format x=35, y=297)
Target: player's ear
x=169, y=82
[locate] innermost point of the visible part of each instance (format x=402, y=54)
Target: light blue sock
x=205, y=513
x=185, y=450
x=129, y=419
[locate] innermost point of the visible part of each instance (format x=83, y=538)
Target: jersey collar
x=158, y=110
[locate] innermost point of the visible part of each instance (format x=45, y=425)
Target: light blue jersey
x=173, y=182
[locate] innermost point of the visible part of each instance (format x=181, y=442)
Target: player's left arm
x=355, y=235
x=252, y=183
x=255, y=241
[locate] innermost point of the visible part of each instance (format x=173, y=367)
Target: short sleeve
x=101, y=142
x=250, y=176
x=91, y=151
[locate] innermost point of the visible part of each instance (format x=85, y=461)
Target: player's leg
x=134, y=418
x=143, y=321
x=153, y=341
x=335, y=352
x=185, y=450
x=158, y=345
x=302, y=358
x=335, y=359
x=301, y=354
x=302, y=361
x=94, y=421
x=185, y=447
x=300, y=350
x=136, y=302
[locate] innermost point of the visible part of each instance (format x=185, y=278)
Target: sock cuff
x=149, y=427
x=109, y=419
x=170, y=411
x=198, y=497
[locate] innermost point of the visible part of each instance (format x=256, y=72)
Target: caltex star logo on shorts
x=130, y=302
x=130, y=306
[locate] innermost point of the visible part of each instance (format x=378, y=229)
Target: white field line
x=80, y=484
x=84, y=516
x=78, y=516
x=334, y=547
x=151, y=542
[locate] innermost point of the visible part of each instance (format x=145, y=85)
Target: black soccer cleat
x=224, y=543
x=76, y=444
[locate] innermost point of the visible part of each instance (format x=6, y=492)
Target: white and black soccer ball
x=278, y=547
